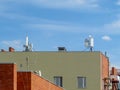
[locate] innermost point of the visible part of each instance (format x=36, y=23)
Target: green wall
x=69, y=65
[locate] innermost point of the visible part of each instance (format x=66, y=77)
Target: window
x=81, y=82
x=58, y=81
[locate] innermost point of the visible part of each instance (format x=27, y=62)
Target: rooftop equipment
x=28, y=46
x=62, y=49
x=89, y=43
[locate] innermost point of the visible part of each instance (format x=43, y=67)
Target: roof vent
x=62, y=49
x=38, y=73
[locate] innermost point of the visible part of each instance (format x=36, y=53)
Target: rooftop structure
x=72, y=70
x=10, y=79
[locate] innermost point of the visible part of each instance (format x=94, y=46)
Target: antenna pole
x=91, y=49
x=27, y=61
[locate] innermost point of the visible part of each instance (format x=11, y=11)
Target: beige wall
x=69, y=65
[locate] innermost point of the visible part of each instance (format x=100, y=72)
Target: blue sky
x=53, y=23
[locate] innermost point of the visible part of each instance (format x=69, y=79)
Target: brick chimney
x=11, y=49
x=114, y=71
x=2, y=50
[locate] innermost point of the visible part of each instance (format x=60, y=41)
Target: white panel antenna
x=89, y=42
x=27, y=42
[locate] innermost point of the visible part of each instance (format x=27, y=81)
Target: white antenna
x=27, y=42
x=89, y=43
x=28, y=46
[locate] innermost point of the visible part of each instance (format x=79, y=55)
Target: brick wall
x=38, y=83
x=24, y=81
x=105, y=67
x=31, y=81
x=104, y=72
x=8, y=77
x=114, y=71
x=114, y=78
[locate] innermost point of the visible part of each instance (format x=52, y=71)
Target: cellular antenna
x=28, y=46
x=89, y=43
x=27, y=42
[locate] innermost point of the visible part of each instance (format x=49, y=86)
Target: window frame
x=58, y=80
x=81, y=82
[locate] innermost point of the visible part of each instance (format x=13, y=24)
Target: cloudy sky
x=53, y=23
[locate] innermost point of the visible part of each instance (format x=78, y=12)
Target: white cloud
x=106, y=38
x=60, y=27
x=114, y=24
x=56, y=3
x=70, y=27
x=65, y=3
x=118, y=2
x=55, y=27
x=46, y=24
x=15, y=44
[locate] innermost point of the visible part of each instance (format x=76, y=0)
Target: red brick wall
x=23, y=80
x=105, y=72
x=8, y=77
x=114, y=71
x=31, y=81
x=38, y=83
x=105, y=67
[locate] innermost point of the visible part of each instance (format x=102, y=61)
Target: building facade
x=10, y=79
x=70, y=70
